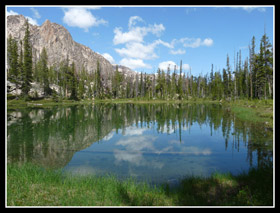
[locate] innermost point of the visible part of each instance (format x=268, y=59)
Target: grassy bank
x=253, y=111
x=29, y=185
x=247, y=110
x=50, y=102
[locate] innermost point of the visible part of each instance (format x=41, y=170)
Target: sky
x=146, y=38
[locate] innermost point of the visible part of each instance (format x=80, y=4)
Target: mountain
x=59, y=45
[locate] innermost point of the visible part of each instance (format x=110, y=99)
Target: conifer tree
x=27, y=62
x=73, y=83
x=44, y=71
x=98, y=82
x=13, y=60
x=180, y=83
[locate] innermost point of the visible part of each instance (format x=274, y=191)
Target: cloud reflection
x=135, y=147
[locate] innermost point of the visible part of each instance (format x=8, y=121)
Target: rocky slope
x=58, y=43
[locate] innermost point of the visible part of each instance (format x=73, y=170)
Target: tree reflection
x=51, y=136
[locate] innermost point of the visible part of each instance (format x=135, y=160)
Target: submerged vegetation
x=30, y=185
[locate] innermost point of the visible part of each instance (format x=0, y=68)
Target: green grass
x=30, y=185
x=13, y=103
x=254, y=111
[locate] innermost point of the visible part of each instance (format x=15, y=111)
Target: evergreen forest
x=251, y=78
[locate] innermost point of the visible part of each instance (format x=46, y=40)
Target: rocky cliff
x=58, y=43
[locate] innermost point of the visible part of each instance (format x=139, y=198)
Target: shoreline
x=244, y=109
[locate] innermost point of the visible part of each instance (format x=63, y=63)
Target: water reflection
x=137, y=139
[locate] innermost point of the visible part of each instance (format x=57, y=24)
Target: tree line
x=249, y=79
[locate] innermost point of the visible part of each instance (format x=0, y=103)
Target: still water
x=154, y=142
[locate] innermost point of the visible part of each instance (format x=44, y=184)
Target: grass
x=244, y=109
x=13, y=103
x=30, y=185
x=254, y=111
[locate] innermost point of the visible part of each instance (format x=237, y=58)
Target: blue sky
x=145, y=38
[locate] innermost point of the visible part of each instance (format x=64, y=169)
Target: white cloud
x=193, y=42
x=178, y=52
x=138, y=50
x=134, y=63
x=196, y=150
x=134, y=147
x=108, y=57
x=207, y=42
x=81, y=17
x=165, y=64
x=249, y=9
x=30, y=20
x=136, y=34
x=135, y=50
x=156, y=29
x=109, y=136
x=10, y=13
x=186, y=67
x=141, y=51
x=166, y=44
x=133, y=19
x=135, y=131
x=36, y=14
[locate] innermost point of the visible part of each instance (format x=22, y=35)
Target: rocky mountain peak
x=58, y=43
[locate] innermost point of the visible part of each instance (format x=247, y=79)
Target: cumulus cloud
x=136, y=33
x=207, y=42
x=134, y=63
x=135, y=49
x=81, y=17
x=108, y=57
x=165, y=64
x=138, y=50
x=133, y=19
x=10, y=13
x=30, y=20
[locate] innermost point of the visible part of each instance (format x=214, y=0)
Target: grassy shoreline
x=247, y=110
x=30, y=185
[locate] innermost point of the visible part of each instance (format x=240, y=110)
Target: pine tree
x=141, y=86
x=27, y=62
x=173, y=83
x=13, y=59
x=98, y=82
x=20, y=62
x=9, y=55
x=229, y=87
x=45, y=71
x=260, y=73
x=73, y=83
x=225, y=83
x=268, y=65
x=180, y=83
x=253, y=69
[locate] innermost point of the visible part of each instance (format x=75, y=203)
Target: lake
x=153, y=142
